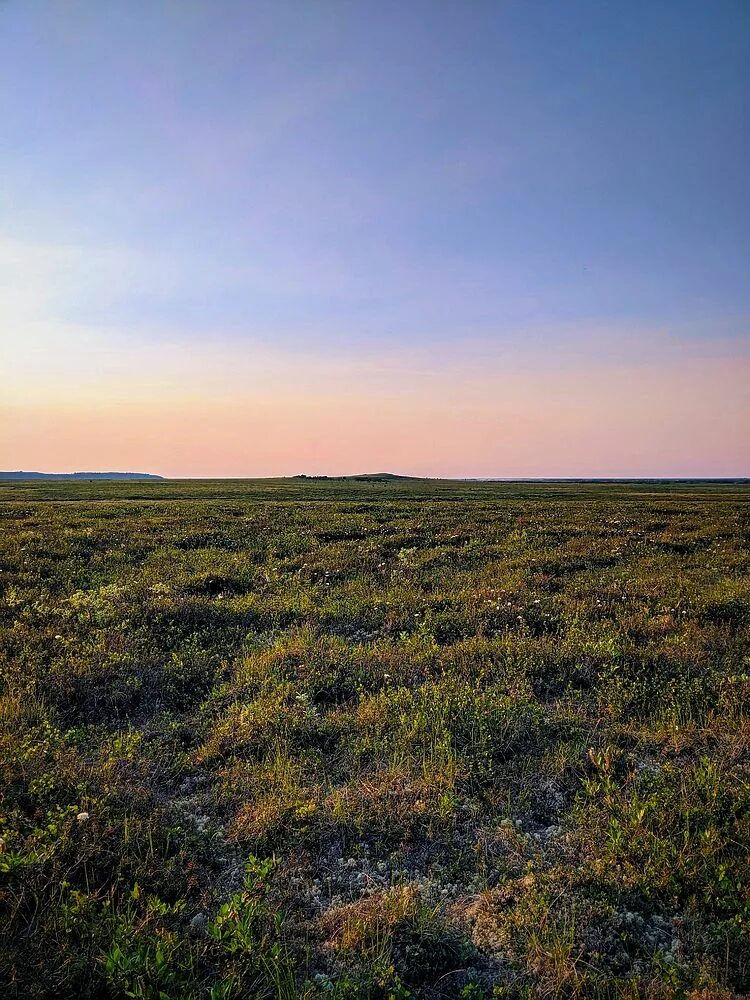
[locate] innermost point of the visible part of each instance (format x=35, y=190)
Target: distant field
x=358, y=489
x=327, y=738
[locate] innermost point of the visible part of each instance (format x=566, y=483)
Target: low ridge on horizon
x=78, y=475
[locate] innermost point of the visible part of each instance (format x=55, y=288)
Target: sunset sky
x=436, y=238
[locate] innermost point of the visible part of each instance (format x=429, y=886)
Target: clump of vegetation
x=374, y=739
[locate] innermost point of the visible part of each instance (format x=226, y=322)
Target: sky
x=491, y=239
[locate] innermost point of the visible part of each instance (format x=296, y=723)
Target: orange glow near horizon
x=214, y=414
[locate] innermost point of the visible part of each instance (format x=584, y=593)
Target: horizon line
x=19, y=473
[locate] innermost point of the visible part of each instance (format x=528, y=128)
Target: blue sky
x=343, y=178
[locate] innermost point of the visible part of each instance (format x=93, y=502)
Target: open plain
x=374, y=738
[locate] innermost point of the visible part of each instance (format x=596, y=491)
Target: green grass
x=374, y=739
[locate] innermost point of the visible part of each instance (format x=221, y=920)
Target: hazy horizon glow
x=250, y=239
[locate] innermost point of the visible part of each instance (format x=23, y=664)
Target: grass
x=373, y=739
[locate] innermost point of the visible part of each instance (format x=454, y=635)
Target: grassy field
x=343, y=739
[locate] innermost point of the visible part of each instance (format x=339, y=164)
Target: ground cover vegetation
x=374, y=740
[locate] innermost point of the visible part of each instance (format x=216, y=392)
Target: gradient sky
x=441, y=238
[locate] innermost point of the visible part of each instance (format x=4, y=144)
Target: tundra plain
x=370, y=739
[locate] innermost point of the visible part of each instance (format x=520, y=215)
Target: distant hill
x=377, y=477
x=78, y=475
x=365, y=477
